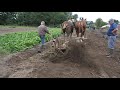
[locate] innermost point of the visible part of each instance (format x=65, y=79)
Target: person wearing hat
x=111, y=33
x=42, y=30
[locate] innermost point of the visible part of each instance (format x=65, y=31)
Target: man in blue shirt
x=112, y=32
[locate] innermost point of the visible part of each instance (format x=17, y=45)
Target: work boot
x=43, y=46
x=110, y=53
x=41, y=49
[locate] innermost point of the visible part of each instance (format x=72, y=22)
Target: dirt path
x=88, y=61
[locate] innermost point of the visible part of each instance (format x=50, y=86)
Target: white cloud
x=92, y=16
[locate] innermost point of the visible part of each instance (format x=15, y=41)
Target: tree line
x=99, y=22
x=34, y=18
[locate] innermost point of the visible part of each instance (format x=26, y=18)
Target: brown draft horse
x=67, y=27
x=80, y=27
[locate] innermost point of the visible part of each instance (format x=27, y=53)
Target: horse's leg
x=81, y=31
x=64, y=36
x=64, y=31
x=71, y=33
x=84, y=33
x=77, y=31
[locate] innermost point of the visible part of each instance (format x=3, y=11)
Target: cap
x=42, y=22
x=111, y=20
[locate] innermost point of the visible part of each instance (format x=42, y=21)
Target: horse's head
x=73, y=21
x=84, y=20
x=64, y=25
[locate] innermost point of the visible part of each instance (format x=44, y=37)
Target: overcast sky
x=92, y=16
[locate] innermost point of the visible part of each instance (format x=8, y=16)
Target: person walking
x=42, y=30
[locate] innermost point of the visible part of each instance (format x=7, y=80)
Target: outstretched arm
x=46, y=30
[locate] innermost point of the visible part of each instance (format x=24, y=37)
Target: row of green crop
x=15, y=42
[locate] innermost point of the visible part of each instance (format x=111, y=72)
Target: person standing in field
x=42, y=30
x=111, y=33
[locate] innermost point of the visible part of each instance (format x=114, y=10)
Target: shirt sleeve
x=46, y=29
x=114, y=26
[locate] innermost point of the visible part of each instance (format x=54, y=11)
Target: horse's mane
x=84, y=21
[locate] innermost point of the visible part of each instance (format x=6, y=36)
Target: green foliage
x=7, y=18
x=75, y=16
x=34, y=18
x=99, y=23
x=3, y=51
x=15, y=42
x=104, y=23
x=116, y=21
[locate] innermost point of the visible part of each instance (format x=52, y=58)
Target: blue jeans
x=42, y=39
x=111, y=42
